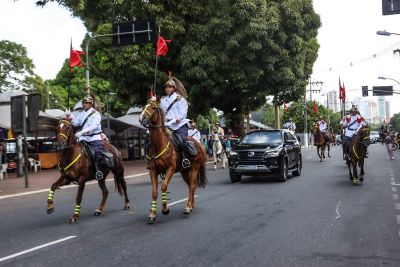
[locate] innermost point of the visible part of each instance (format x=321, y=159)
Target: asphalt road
x=316, y=219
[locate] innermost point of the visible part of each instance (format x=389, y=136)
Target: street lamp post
x=385, y=33
x=386, y=78
x=108, y=114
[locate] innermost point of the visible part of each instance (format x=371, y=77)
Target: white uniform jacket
x=195, y=134
x=177, y=111
x=352, y=123
x=323, y=126
x=91, y=131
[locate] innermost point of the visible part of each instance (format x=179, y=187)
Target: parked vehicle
x=264, y=152
x=373, y=137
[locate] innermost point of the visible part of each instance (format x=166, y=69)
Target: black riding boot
x=185, y=161
x=98, y=174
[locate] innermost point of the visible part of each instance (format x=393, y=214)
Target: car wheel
x=283, y=171
x=235, y=178
x=395, y=146
x=299, y=166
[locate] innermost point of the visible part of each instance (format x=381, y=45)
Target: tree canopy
x=229, y=54
x=15, y=66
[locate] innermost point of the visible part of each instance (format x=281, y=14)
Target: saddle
x=106, y=159
x=178, y=143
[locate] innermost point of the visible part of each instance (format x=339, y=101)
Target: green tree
x=395, y=121
x=15, y=66
x=229, y=54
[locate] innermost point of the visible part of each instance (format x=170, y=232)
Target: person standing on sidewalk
x=389, y=149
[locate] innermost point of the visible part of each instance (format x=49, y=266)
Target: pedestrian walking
x=389, y=149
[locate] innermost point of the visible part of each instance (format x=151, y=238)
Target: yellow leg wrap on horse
x=153, y=206
x=50, y=196
x=164, y=197
x=77, y=209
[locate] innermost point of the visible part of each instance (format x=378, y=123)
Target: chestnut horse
x=322, y=143
x=356, y=154
x=163, y=158
x=75, y=167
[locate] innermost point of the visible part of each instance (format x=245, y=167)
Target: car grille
x=244, y=155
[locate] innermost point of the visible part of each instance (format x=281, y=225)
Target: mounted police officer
x=290, y=125
x=193, y=132
x=323, y=127
x=351, y=124
x=175, y=108
x=89, y=120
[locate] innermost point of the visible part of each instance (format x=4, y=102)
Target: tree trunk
x=277, y=124
x=247, y=116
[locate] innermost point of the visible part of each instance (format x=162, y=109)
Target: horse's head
x=152, y=114
x=364, y=134
x=65, y=134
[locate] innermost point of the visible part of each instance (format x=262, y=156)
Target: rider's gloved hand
x=78, y=134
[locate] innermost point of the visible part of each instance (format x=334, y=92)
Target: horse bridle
x=66, y=137
x=156, y=108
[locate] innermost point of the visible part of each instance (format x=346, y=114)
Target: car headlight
x=272, y=153
x=233, y=153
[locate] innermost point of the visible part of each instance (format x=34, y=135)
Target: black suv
x=264, y=152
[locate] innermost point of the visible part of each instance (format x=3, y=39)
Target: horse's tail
x=202, y=177
x=120, y=183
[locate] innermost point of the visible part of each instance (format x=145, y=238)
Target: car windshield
x=374, y=133
x=262, y=138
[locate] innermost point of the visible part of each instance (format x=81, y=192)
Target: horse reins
x=156, y=107
x=354, y=149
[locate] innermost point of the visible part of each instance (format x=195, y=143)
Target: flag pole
x=156, y=67
x=70, y=75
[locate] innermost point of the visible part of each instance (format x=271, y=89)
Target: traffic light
x=365, y=91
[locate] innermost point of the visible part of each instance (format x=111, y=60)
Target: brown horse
x=321, y=142
x=356, y=154
x=163, y=158
x=75, y=167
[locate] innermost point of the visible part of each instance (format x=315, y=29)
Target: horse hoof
x=127, y=207
x=361, y=179
x=223, y=167
x=97, y=212
x=50, y=210
x=151, y=220
x=72, y=220
x=320, y=160
x=187, y=211
x=165, y=212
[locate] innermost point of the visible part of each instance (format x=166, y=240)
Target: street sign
x=17, y=113
x=390, y=7
x=382, y=90
x=364, y=90
x=33, y=111
x=135, y=32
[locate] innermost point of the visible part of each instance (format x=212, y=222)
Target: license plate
x=251, y=167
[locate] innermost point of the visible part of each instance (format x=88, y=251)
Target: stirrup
x=185, y=163
x=99, y=175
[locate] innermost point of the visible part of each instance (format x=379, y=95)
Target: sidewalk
x=45, y=178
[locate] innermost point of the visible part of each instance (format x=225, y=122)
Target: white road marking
x=36, y=248
x=395, y=196
x=179, y=201
x=396, y=205
x=398, y=219
x=309, y=157
x=337, y=210
x=394, y=189
x=66, y=187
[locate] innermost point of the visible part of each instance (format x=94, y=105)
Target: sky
x=349, y=46
x=351, y=49
x=45, y=32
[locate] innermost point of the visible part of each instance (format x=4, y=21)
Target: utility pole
x=311, y=83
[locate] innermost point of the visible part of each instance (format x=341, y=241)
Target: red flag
x=75, y=58
x=315, y=107
x=343, y=93
x=162, y=47
x=285, y=108
x=152, y=92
